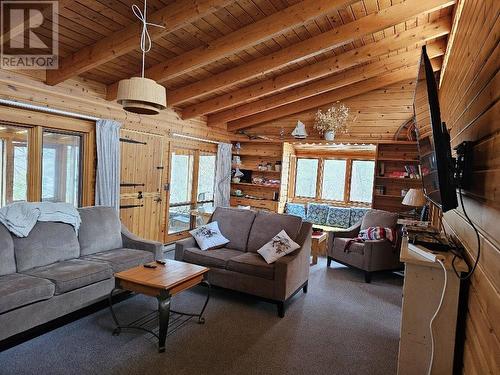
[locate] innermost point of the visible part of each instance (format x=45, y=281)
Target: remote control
x=147, y=265
x=162, y=262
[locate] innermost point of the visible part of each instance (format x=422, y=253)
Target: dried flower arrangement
x=334, y=119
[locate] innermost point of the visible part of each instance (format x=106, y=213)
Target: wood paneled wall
x=469, y=104
x=376, y=115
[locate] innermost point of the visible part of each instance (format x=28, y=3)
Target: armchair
x=369, y=256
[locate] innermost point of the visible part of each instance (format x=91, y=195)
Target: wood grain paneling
x=469, y=105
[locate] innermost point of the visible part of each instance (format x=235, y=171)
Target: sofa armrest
x=380, y=255
x=351, y=232
x=132, y=241
x=292, y=271
x=182, y=245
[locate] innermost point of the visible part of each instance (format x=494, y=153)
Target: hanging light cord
x=145, y=37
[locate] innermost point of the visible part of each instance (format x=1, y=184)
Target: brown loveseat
x=238, y=266
x=369, y=256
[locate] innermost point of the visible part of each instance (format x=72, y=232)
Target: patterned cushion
x=296, y=209
x=338, y=217
x=317, y=213
x=356, y=215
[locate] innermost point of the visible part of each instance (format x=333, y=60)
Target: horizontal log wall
x=469, y=105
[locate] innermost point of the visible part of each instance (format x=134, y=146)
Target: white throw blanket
x=20, y=217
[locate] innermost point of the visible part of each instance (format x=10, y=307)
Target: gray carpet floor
x=341, y=326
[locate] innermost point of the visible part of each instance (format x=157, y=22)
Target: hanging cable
x=145, y=37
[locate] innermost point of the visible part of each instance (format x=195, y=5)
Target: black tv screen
x=434, y=146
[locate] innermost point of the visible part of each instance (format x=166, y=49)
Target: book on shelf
x=380, y=189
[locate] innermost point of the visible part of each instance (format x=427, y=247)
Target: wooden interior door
x=142, y=197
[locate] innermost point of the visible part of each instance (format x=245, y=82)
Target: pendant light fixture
x=138, y=94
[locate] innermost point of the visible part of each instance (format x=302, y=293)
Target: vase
x=329, y=135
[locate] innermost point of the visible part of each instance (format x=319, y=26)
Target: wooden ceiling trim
x=244, y=37
x=326, y=84
x=327, y=98
x=173, y=17
x=415, y=38
x=323, y=42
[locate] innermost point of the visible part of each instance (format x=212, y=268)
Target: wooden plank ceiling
x=246, y=62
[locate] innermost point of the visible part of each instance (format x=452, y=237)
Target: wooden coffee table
x=162, y=282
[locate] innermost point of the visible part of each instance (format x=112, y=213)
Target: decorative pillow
x=317, y=213
x=338, y=217
x=279, y=246
x=209, y=236
x=377, y=233
x=357, y=214
x=296, y=209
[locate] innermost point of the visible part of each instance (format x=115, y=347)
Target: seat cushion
x=267, y=225
x=357, y=214
x=122, y=259
x=73, y=274
x=317, y=213
x=338, y=217
x=251, y=264
x=18, y=290
x=47, y=243
x=100, y=230
x=235, y=225
x=379, y=218
x=210, y=258
x=296, y=209
x=355, y=247
x=7, y=258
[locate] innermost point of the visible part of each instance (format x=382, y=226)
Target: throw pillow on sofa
x=279, y=246
x=338, y=217
x=209, y=236
x=317, y=213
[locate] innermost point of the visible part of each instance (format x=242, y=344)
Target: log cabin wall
x=469, y=105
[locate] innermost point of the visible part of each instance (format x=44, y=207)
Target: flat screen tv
x=436, y=162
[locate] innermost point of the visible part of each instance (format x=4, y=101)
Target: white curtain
x=223, y=175
x=107, y=184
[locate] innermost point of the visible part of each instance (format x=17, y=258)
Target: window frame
x=346, y=201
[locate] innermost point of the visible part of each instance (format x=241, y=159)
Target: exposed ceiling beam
x=457, y=14
x=247, y=36
x=329, y=40
x=316, y=101
x=411, y=38
x=121, y=42
x=326, y=84
x=21, y=28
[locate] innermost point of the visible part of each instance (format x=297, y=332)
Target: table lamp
x=415, y=198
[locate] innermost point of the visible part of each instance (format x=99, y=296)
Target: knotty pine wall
x=375, y=115
x=469, y=104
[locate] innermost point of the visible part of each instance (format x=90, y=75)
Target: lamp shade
x=415, y=198
x=141, y=95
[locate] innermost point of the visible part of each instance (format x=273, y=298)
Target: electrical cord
x=436, y=314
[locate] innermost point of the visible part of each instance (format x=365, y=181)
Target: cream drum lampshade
x=415, y=198
x=141, y=95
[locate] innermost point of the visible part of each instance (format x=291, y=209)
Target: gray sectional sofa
x=53, y=272
x=238, y=266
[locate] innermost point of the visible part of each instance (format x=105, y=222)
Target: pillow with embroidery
x=377, y=233
x=279, y=246
x=209, y=236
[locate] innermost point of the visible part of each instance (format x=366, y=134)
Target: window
x=362, y=175
x=305, y=178
x=333, y=179
x=343, y=180
x=206, y=180
x=14, y=164
x=61, y=167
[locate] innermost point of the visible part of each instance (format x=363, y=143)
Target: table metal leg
x=164, y=315
x=201, y=319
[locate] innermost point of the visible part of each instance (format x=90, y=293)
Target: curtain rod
x=33, y=107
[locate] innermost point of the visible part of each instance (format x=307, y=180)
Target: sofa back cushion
x=7, y=258
x=48, y=242
x=357, y=213
x=317, y=213
x=267, y=225
x=379, y=218
x=235, y=225
x=100, y=230
x=338, y=217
